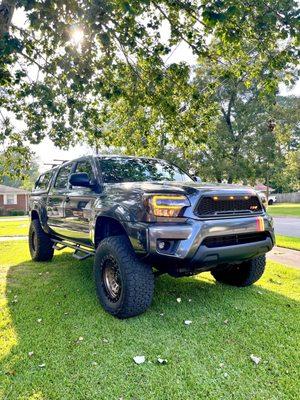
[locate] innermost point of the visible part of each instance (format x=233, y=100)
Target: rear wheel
x=270, y=202
x=124, y=284
x=40, y=244
x=244, y=274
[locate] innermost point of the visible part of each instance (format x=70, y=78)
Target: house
x=13, y=200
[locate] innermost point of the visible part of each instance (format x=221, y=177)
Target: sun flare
x=77, y=36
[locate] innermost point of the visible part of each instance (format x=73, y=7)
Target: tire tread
x=138, y=277
x=44, y=250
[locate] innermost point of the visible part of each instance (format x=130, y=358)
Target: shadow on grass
x=79, y=351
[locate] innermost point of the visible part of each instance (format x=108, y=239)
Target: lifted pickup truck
x=140, y=217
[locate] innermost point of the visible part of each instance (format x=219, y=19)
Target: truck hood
x=188, y=188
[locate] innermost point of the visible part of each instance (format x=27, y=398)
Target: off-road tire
x=40, y=245
x=270, y=202
x=136, y=278
x=244, y=274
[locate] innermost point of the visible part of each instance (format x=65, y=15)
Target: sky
x=46, y=152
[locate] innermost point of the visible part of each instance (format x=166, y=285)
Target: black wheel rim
x=111, y=279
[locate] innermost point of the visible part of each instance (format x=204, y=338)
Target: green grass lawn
x=210, y=359
x=288, y=209
x=14, y=227
x=288, y=242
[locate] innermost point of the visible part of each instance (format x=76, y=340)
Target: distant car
x=271, y=200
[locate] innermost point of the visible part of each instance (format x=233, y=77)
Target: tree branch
x=7, y=8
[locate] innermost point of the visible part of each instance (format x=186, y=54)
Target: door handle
x=67, y=199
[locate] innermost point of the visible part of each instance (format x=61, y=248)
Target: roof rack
x=56, y=162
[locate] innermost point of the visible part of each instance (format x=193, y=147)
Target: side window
x=62, y=179
x=43, y=181
x=85, y=166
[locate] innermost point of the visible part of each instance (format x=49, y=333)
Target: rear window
x=43, y=181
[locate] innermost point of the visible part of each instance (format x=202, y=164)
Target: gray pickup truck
x=141, y=217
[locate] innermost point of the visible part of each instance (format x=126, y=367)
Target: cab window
x=62, y=179
x=43, y=181
x=85, y=166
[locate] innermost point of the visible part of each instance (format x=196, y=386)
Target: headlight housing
x=168, y=206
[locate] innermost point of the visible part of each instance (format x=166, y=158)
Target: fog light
x=164, y=245
x=161, y=245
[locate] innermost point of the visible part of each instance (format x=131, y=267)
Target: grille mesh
x=232, y=240
x=209, y=206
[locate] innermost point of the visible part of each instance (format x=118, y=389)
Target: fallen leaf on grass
x=105, y=340
x=162, y=361
x=255, y=359
x=11, y=372
x=275, y=282
x=226, y=321
x=178, y=300
x=139, y=359
x=39, y=320
x=31, y=353
x=42, y=365
x=187, y=322
x=94, y=363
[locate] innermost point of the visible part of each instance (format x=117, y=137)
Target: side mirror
x=196, y=178
x=82, y=179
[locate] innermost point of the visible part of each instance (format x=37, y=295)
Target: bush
x=14, y=213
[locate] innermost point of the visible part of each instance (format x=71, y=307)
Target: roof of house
x=263, y=188
x=12, y=190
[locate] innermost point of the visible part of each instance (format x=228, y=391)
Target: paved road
x=287, y=226
x=285, y=256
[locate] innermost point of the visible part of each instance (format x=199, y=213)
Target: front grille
x=226, y=206
x=233, y=240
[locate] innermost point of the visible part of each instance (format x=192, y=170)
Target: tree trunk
x=7, y=8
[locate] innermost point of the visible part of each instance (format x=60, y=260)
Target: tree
x=244, y=143
x=10, y=174
x=67, y=89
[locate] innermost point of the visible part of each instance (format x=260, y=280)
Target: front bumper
x=189, y=237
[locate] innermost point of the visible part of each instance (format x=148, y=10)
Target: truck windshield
x=122, y=169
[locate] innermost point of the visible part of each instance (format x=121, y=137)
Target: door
x=57, y=198
x=79, y=205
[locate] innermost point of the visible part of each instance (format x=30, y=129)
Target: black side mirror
x=82, y=179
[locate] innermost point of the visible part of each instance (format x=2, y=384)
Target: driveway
x=285, y=256
x=287, y=226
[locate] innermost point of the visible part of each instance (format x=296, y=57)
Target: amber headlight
x=168, y=206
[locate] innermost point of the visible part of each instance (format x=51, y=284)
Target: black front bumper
x=206, y=256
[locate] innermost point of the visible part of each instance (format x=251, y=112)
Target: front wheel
x=124, y=284
x=40, y=244
x=244, y=274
